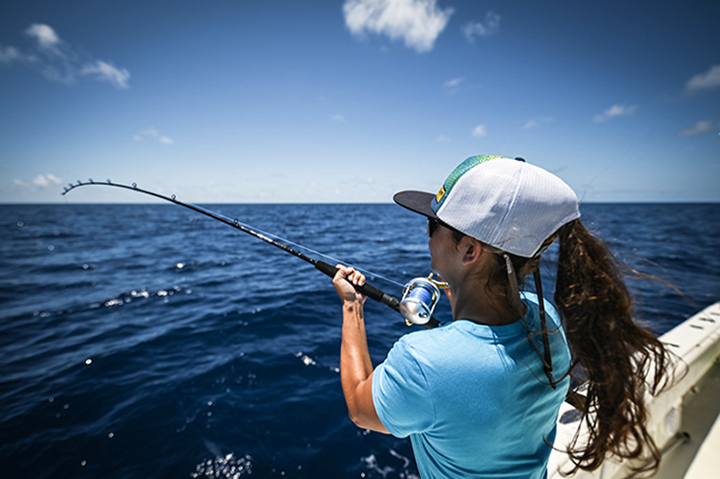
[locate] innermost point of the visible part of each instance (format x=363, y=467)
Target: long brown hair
x=618, y=359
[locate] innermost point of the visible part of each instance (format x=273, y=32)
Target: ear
x=471, y=248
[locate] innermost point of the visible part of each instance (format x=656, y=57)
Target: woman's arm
x=355, y=366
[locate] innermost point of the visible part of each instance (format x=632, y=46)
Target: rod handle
x=368, y=290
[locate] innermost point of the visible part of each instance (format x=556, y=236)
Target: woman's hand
x=343, y=282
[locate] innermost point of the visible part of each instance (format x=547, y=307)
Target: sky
x=246, y=101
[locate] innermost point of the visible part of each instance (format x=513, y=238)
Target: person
x=479, y=396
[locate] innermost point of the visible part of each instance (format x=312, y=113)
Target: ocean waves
x=138, y=340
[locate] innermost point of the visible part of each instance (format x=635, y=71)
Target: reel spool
x=420, y=296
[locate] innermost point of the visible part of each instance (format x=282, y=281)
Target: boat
x=682, y=419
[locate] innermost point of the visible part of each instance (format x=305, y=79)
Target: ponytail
x=620, y=360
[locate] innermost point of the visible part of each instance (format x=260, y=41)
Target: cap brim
x=417, y=201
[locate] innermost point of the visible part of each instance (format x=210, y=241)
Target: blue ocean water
x=150, y=341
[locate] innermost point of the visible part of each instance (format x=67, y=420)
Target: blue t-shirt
x=473, y=398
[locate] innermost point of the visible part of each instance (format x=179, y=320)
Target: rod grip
x=368, y=290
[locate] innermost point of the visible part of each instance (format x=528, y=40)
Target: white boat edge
x=680, y=419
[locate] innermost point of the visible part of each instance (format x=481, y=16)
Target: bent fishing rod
x=419, y=296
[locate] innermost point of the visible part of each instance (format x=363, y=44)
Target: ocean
x=149, y=341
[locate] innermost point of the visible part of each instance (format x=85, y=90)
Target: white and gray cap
x=504, y=202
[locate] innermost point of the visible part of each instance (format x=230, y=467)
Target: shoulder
x=532, y=301
x=430, y=352
x=432, y=340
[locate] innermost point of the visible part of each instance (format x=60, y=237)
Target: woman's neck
x=483, y=306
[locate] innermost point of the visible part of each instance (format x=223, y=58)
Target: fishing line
x=414, y=315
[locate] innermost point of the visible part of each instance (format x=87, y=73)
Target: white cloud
x=614, y=111
x=536, y=122
x=338, y=118
x=479, y=29
x=58, y=61
x=45, y=35
x=107, y=72
x=153, y=134
x=39, y=182
x=454, y=84
x=417, y=22
x=443, y=138
x=480, y=131
x=12, y=54
x=53, y=178
x=8, y=54
x=46, y=180
x=700, y=128
x=704, y=81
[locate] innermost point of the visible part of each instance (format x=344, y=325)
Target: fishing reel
x=420, y=296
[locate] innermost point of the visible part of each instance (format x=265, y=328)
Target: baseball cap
x=504, y=202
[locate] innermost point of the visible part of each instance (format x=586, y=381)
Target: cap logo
x=440, y=194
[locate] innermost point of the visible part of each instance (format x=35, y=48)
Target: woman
x=479, y=397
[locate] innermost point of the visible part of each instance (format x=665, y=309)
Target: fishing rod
x=420, y=295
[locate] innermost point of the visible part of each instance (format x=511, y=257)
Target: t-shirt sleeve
x=401, y=394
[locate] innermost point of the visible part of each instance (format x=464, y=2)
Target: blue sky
x=351, y=101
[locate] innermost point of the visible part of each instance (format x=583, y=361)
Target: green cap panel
x=460, y=170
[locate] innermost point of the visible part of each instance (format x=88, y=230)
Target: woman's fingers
x=344, y=280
